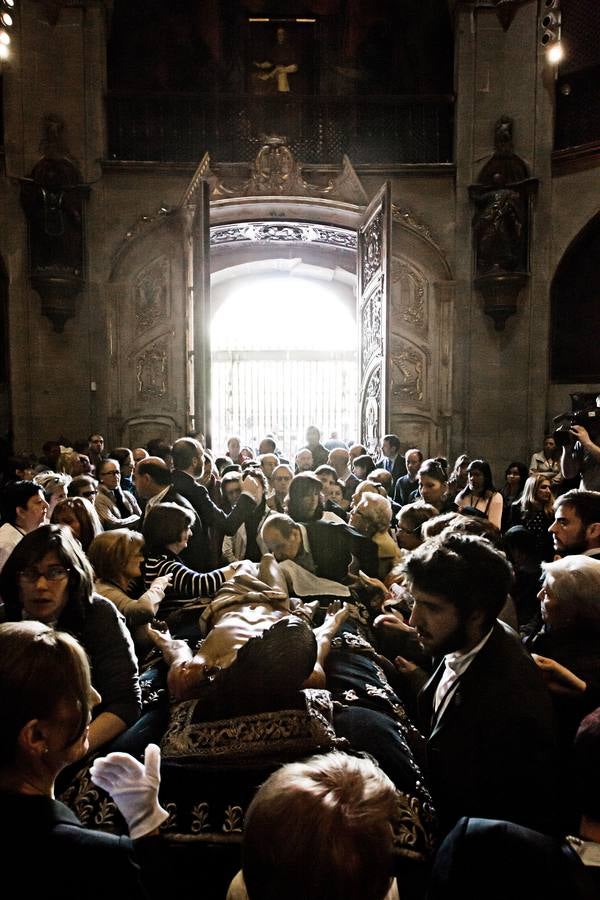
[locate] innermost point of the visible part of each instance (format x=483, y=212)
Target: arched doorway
x=283, y=353
x=159, y=312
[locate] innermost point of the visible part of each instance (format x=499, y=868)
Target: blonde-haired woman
x=534, y=511
x=116, y=557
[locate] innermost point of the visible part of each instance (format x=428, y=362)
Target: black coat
x=493, y=753
x=46, y=852
x=210, y=515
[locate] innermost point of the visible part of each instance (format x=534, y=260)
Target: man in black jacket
x=486, y=712
x=188, y=461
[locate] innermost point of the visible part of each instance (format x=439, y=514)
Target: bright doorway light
x=284, y=357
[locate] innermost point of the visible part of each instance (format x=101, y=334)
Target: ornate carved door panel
x=149, y=314
x=373, y=267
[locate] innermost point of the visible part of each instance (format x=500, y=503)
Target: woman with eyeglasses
x=47, y=701
x=48, y=578
x=117, y=508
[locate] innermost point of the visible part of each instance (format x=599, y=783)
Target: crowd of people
x=455, y=623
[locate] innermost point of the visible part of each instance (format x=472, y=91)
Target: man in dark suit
x=392, y=460
x=407, y=484
x=547, y=866
x=188, y=461
x=152, y=478
x=324, y=548
x=486, y=712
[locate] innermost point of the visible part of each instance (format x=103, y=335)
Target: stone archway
x=150, y=316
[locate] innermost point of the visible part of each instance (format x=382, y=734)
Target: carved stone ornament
x=370, y=412
x=152, y=294
x=53, y=199
x=276, y=172
x=409, y=298
x=407, y=368
x=151, y=369
x=371, y=328
x=257, y=232
x=371, y=248
x=501, y=197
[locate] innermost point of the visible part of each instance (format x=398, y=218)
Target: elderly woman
x=372, y=517
x=47, y=701
x=81, y=517
x=116, y=557
x=48, y=578
x=570, y=636
x=54, y=486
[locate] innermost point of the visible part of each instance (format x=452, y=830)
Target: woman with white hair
x=569, y=638
x=54, y=486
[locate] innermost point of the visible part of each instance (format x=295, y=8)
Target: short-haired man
x=320, y=547
x=188, y=463
x=95, y=449
x=408, y=484
x=152, y=478
x=304, y=461
x=487, y=714
x=280, y=481
x=320, y=453
x=392, y=459
x=576, y=526
x=328, y=478
x=24, y=509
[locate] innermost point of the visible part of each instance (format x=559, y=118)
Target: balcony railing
x=370, y=129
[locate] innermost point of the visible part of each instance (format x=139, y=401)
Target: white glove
x=133, y=787
x=156, y=591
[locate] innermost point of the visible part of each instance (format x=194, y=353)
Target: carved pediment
x=276, y=172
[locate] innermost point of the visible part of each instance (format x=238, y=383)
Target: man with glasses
x=115, y=507
x=280, y=482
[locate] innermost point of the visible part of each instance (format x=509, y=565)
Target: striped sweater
x=186, y=584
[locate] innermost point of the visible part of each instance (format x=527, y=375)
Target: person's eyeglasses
x=53, y=573
x=110, y=472
x=408, y=530
x=91, y=493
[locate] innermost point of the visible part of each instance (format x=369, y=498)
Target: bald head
x=151, y=476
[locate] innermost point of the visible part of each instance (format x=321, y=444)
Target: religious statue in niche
x=53, y=199
x=501, y=197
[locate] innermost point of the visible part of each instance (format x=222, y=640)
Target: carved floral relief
x=152, y=293
x=151, y=369
x=408, y=370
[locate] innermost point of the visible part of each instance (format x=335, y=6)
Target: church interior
x=249, y=217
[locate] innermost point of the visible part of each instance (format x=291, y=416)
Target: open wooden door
x=196, y=206
x=373, y=268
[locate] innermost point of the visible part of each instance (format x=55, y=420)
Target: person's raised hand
x=133, y=787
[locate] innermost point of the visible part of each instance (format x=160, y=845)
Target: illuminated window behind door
x=283, y=352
